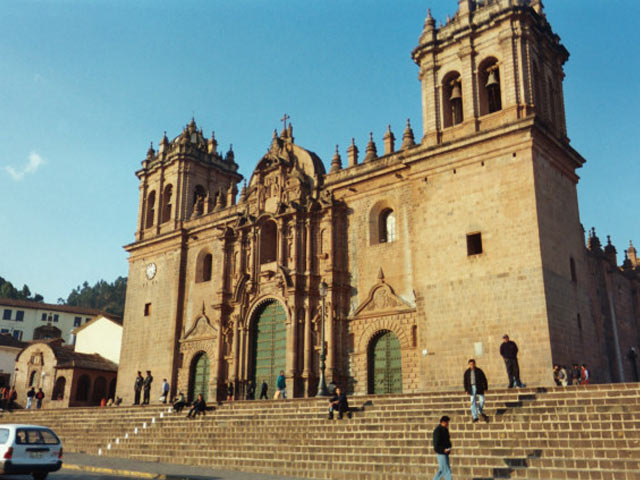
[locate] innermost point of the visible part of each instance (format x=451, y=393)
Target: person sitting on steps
x=338, y=402
x=199, y=407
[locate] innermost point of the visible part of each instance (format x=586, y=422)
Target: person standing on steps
x=281, y=386
x=30, y=394
x=585, y=375
x=509, y=352
x=146, y=386
x=137, y=388
x=263, y=390
x=442, y=447
x=165, y=390
x=230, y=392
x=475, y=384
x=251, y=390
x=39, y=398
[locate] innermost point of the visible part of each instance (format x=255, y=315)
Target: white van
x=30, y=450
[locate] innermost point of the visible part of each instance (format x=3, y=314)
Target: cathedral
x=387, y=271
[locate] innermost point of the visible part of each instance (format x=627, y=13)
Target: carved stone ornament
x=201, y=329
x=382, y=300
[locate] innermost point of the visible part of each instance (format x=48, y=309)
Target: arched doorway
x=99, y=390
x=385, y=364
x=269, y=344
x=58, y=389
x=82, y=390
x=199, y=377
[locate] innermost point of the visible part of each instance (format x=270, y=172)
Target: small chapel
x=385, y=271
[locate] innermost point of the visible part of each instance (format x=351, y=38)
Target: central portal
x=269, y=349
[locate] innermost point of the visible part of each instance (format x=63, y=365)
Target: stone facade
x=447, y=243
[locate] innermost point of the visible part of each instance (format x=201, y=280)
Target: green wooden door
x=385, y=365
x=269, y=345
x=199, y=381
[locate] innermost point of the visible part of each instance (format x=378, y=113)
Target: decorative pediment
x=201, y=329
x=382, y=300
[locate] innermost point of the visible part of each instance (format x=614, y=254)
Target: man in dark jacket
x=442, y=447
x=475, y=384
x=146, y=385
x=137, y=388
x=509, y=352
x=338, y=402
x=264, y=389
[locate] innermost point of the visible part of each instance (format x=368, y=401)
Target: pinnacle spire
x=371, y=151
x=408, y=140
x=336, y=162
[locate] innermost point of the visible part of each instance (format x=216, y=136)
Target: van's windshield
x=4, y=435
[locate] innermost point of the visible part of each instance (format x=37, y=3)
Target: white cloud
x=35, y=161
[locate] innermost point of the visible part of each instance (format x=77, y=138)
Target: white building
x=101, y=335
x=9, y=350
x=26, y=320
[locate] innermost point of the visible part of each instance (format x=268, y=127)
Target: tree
x=105, y=296
x=7, y=290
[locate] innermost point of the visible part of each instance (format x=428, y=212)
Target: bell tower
x=184, y=179
x=495, y=62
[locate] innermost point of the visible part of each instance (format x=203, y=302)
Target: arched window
x=199, y=195
x=151, y=209
x=166, y=203
x=489, y=86
x=268, y=242
x=452, y=99
x=387, y=225
x=82, y=390
x=58, y=389
x=204, y=267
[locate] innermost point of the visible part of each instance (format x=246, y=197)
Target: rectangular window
x=56, y=317
x=572, y=267
x=474, y=244
x=147, y=309
x=17, y=334
x=86, y=320
x=6, y=315
x=77, y=321
x=44, y=317
x=20, y=316
x=4, y=330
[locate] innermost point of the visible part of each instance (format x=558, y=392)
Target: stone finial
x=633, y=255
x=290, y=132
x=212, y=146
x=408, y=140
x=243, y=192
x=389, y=139
x=626, y=263
x=164, y=142
x=151, y=152
x=610, y=251
x=352, y=153
x=371, y=151
x=429, y=31
x=229, y=158
x=380, y=274
x=231, y=194
x=336, y=162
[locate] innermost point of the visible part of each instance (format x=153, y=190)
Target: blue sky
x=86, y=85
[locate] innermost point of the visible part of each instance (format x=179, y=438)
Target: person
x=509, y=352
x=179, y=403
x=338, y=402
x=3, y=398
x=118, y=401
x=263, y=390
x=13, y=397
x=281, y=386
x=475, y=384
x=585, y=375
x=137, y=388
x=251, y=390
x=30, y=394
x=110, y=402
x=442, y=447
x=560, y=375
x=230, y=392
x=39, y=398
x=199, y=406
x=103, y=402
x=575, y=374
x=165, y=390
x=146, y=386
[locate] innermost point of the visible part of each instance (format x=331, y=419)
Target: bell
x=492, y=80
x=456, y=93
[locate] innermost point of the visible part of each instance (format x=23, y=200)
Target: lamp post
x=322, y=384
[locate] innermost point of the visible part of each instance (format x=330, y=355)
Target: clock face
x=151, y=270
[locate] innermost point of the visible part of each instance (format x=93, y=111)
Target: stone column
x=308, y=349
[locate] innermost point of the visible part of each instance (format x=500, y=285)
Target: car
x=29, y=449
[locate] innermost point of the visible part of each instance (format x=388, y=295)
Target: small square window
x=572, y=267
x=4, y=330
x=20, y=316
x=86, y=319
x=6, y=315
x=77, y=321
x=56, y=317
x=147, y=309
x=474, y=243
x=44, y=317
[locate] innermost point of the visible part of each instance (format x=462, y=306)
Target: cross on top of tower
x=284, y=119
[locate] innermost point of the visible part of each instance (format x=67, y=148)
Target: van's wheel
x=39, y=475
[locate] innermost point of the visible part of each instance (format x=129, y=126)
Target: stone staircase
x=590, y=432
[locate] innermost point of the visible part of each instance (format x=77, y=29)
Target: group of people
x=142, y=385
x=577, y=375
x=8, y=397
